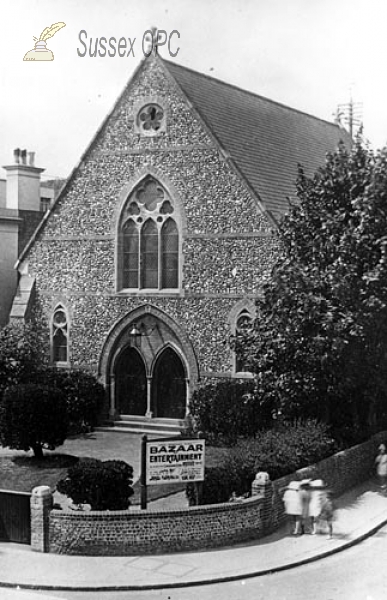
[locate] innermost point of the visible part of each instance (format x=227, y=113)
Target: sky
x=311, y=55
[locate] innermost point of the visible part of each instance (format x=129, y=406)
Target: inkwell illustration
x=41, y=52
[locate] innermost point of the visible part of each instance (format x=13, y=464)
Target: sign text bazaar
x=175, y=461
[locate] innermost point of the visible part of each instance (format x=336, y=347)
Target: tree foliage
x=84, y=394
x=19, y=354
x=33, y=417
x=319, y=344
x=226, y=410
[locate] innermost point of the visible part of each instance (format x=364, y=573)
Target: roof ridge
x=250, y=93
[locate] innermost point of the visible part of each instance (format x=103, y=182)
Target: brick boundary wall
x=124, y=533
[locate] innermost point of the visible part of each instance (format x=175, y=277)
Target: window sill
x=148, y=292
x=243, y=375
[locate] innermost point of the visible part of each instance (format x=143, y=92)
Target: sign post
x=143, y=472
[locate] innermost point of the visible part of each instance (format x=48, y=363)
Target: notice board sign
x=174, y=460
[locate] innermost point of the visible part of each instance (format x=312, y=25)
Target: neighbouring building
x=163, y=235
x=24, y=200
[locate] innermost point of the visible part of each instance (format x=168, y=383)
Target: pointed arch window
x=149, y=240
x=170, y=254
x=243, y=325
x=131, y=247
x=60, y=336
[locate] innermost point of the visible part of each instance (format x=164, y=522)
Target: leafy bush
x=20, y=354
x=227, y=410
x=33, y=416
x=279, y=451
x=286, y=448
x=84, y=395
x=221, y=481
x=105, y=485
x=21, y=351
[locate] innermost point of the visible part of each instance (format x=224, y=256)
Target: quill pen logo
x=41, y=52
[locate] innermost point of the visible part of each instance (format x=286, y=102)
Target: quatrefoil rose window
x=151, y=119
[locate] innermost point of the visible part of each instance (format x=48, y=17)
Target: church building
x=159, y=243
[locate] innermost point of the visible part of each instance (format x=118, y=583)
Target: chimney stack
x=23, y=182
x=16, y=155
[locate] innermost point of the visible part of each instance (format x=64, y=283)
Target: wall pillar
x=186, y=397
x=112, y=393
x=148, y=413
x=262, y=488
x=41, y=505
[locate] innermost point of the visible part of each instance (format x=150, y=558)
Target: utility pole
x=351, y=115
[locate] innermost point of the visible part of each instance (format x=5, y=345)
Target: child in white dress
x=317, y=496
x=293, y=506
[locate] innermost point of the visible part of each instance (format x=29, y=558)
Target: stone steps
x=143, y=425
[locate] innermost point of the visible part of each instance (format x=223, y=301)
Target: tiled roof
x=265, y=139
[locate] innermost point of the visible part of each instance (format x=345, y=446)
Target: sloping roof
x=265, y=139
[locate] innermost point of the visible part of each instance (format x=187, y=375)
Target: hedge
x=279, y=451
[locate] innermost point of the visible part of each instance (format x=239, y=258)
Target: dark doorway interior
x=130, y=382
x=169, y=387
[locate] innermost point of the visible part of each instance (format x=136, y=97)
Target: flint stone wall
x=228, y=244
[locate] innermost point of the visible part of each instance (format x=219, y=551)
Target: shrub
x=286, y=448
x=279, y=451
x=20, y=354
x=221, y=481
x=33, y=416
x=84, y=395
x=105, y=485
x=227, y=410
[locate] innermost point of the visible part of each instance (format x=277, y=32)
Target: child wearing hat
x=317, y=497
x=305, y=502
x=293, y=505
x=327, y=512
x=381, y=466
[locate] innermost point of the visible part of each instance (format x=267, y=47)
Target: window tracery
x=149, y=239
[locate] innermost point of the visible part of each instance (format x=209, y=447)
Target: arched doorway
x=169, y=390
x=131, y=388
x=133, y=369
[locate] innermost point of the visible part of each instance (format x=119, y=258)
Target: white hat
x=317, y=483
x=305, y=482
x=293, y=485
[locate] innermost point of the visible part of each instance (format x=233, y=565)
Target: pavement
x=360, y=512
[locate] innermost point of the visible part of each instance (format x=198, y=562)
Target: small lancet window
x=243, y=325
x=60, y=336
